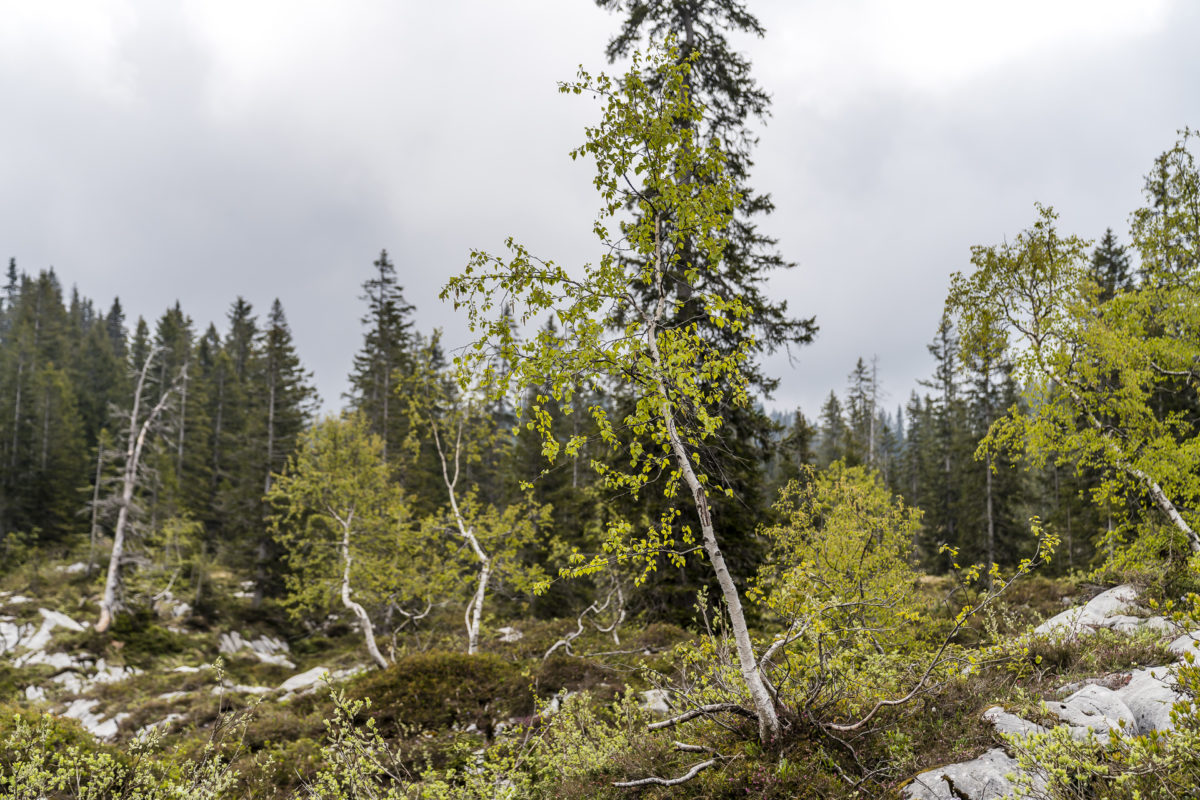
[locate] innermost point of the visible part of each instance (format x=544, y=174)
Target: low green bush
x=440, y=691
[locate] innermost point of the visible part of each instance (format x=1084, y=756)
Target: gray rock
x=1149, y=695
x=94, y=723
x=1094, y=707
x=1010, y=724
x=304, y=680
x=169, y=608
x=265, y=648
x=50, y=621
x=163, y=723
x=14, y=635
x=510, y=634
x=1106, y=609
x=983, y=778
x=655, y=701
x=1188, y=643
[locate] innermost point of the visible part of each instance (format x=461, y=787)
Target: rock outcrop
x=1134, y=703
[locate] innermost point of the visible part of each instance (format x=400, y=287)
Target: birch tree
x=649, y=153
x=460, y=430
x=344, y=526
x=1095, y=369
x=139, y=432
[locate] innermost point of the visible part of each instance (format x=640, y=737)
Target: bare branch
x=652, y=781
x=713, y=708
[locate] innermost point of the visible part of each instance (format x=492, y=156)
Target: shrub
x=439, y=691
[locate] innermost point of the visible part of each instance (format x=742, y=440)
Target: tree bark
x=133, y=455
x=474, y=612
x=91, y=562
x=768, y=720
x=359, y=611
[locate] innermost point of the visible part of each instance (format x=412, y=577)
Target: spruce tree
x=114, y=325
x=284, y=403
x=288, y=392
x=720, y=80
x=833, y=434
x=386, y=348
x=42, y=453
x=795, y=449
x=733, y=100
x=1110, y=266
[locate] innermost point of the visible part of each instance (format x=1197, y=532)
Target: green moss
x=439, y=691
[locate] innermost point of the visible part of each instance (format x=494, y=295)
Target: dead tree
x=139, y=431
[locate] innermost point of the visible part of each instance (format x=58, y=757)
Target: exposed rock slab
x=266, y=649
x=1187, y=643
x=1010, y=724
x=510, y=634
x=1096, y=708
x=94, y=723
x=983, y=778
x=655, y=701
x=1150, y=695
x=1106, y=610
x=305, y=680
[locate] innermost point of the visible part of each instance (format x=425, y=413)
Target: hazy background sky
x=161, y=150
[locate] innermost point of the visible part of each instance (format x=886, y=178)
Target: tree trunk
x=474, y=613
x=991, y=519
x=359, y=611
x=91, y=562
x=769, y=727
x=133, y=455
x=182, y=429
x=12, y=461
x=764, y=706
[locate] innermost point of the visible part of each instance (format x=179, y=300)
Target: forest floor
x=186, y=674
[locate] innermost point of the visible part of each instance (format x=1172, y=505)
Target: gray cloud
x=200, y=152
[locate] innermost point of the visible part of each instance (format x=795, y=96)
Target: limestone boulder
x=1094, y=708
x=1106, y=610
x=985, y=778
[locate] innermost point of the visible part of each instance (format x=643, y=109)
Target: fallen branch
x=653, y=781
x=565, y=642
x=695, y=770
x=714, y=708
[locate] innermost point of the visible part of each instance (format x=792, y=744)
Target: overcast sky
x=161, y=150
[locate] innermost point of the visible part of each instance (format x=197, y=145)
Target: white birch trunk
x=360, y=612
x=764, y=706
x=133, y=455
x=1152, y=486
x=474, y=612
